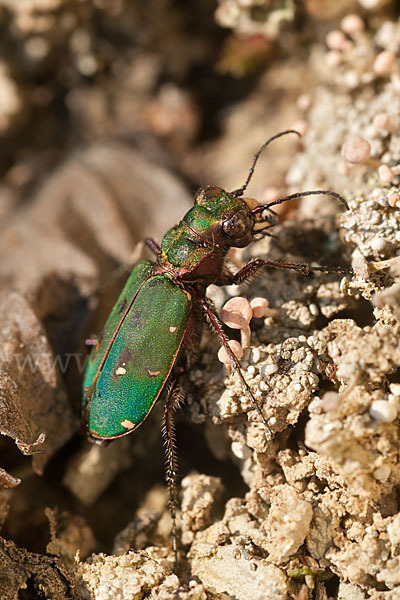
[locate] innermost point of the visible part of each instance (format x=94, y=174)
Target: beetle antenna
x=242, y=189
x=262, y=207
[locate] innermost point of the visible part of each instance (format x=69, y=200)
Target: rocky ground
x=112, y=113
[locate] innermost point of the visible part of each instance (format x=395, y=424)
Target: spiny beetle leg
x=252, y=267
x=154, y=247
x=174, y=395
x=216, y=326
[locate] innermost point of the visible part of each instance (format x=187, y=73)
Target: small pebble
x=335, y=40
x=382, y=121
x=378, y=244
x=385, y=174
x=360, y=265
x=258, y=306
x=236, y=348
x=395, y=389
x=382, y=473
x=269, y=369
x=356, y=150
x=304, y=102
x=313, y=308
x=346, y=370
x=334, y=58
x=240, y=450
x=352, y=24
x=371, y=531
x=384, y=411
x=330, y=401
x=384, y=62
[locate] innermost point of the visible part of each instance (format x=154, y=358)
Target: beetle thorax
x=196, y=248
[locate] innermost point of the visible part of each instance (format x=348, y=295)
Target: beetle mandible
x=160, y=312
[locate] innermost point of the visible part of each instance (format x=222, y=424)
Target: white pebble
x=378, y=244
x=385, y=174
x=382, y=121
x=356, y=150
x=335, y=40
x=330, y=401
x=304, y=102
x=371, y=531
x=352, y=24
x=384, y=63
x=382, y=473
x=240, y=450
x=346, y=370
x=384, y=411
x=268, y=369
x=395, y=389
x=313, y=308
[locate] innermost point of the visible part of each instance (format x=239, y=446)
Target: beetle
x=159, y=314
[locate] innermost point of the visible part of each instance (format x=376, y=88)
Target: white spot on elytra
x=153, y=373
x=120, y=371
x=172, y=329
x=127, y=424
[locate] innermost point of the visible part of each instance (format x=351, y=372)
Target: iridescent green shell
x=142, y=340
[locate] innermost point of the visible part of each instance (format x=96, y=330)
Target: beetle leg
x=252, y=267
x=216, y=326
x=154, y=247
x=168, y=430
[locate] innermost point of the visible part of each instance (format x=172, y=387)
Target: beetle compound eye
x=238, y=225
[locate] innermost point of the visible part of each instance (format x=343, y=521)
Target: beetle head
x=221, y=217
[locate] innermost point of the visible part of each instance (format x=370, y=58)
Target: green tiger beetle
x=159, y=315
